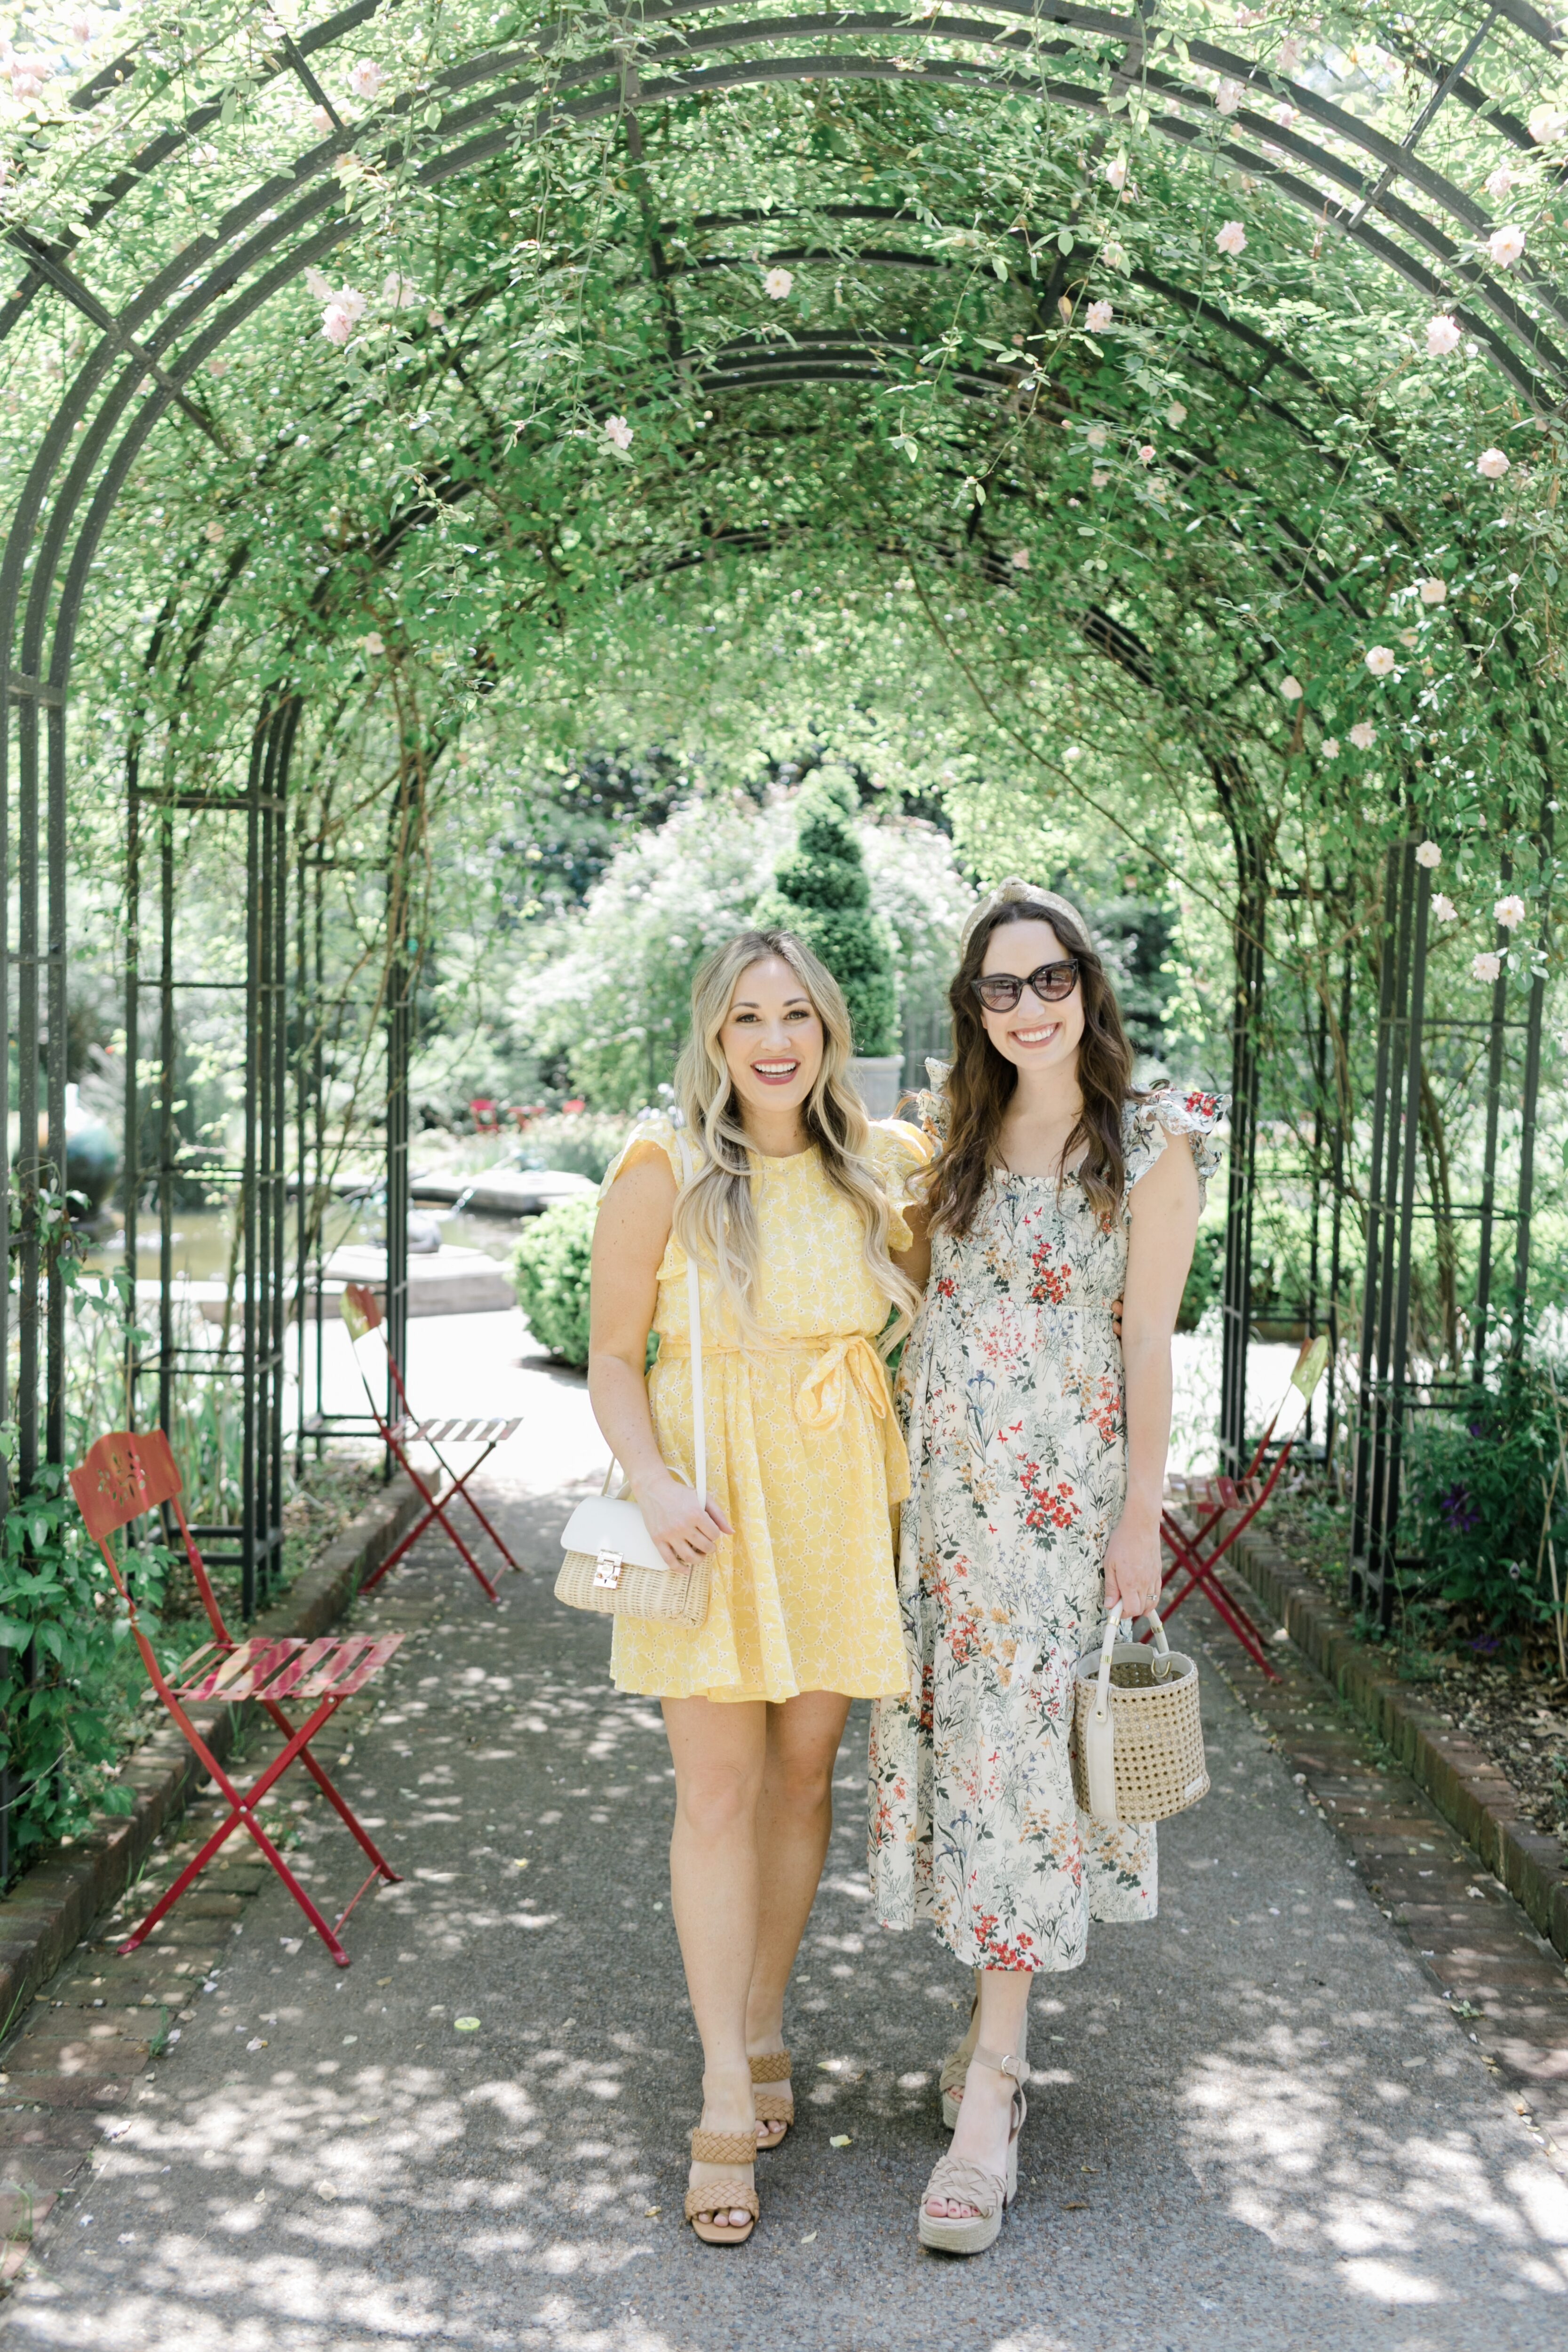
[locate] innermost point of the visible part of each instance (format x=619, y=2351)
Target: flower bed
x=1515, y=1705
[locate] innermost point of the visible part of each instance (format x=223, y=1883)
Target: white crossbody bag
x=612, y=1565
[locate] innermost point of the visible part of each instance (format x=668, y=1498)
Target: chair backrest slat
x=126, y=1474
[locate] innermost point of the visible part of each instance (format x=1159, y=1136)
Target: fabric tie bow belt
x=824, y=1391
x=840, y=1360
x=820, y=1400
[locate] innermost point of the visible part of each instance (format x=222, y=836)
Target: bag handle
x=694, y=1315
x=1161, y=1656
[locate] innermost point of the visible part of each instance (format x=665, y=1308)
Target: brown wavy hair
x=980, y=1085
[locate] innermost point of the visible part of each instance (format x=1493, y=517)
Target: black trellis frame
x=1389, y=1390
x=182, y=315
x=257, y=1181
x=314, y=1294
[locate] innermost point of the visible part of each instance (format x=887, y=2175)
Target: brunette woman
x=791, y=1213
x=1037, y=1450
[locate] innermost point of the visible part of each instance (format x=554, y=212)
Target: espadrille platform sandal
x=966, y=2182
x=776, y=2106
x=729, y=2195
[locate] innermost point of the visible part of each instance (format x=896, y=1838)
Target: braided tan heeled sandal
x=731, y=2194
x=959, y=2179
x=774, y=2107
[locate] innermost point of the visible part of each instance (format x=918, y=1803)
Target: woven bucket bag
x=611, y=1566
x=1137, y=1736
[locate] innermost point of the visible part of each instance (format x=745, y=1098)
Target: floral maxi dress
x=1017, y=1440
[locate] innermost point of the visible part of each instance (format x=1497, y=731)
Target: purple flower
x=1463, y=1515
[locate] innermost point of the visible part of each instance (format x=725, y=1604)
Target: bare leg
x=985, y=2117
x=795, y=1821
x=718, y=1754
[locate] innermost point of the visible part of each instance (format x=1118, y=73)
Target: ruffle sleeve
x=1151, y=1123
x=652, y=1134
x=900, y=1150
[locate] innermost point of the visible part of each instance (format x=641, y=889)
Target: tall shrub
x=821, y=893
x=550, y=1270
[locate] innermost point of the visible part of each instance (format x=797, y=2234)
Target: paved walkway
x=1257, y=2123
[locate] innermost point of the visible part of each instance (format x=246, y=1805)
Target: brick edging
x=55, y=1902
x=1461, y=1779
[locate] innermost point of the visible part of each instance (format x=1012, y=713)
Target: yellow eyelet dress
x=804, y=1453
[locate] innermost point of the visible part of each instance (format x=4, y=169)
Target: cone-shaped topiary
x=821, y=893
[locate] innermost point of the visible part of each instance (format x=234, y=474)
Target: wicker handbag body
x=607, y=1583
x=1137, y=1734
x=611, y=1566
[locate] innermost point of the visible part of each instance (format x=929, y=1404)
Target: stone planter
x=880, y=1079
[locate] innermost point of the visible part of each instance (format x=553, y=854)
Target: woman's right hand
x=682, y=1528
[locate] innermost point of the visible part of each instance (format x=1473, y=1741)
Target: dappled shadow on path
x=1255, y=2125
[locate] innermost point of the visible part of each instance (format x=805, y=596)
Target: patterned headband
x=1015, y=891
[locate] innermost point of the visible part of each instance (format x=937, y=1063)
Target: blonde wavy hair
x=714, y=1216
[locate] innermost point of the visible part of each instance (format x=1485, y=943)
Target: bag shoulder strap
x=694, y=1316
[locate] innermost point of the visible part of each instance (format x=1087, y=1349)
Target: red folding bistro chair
x=1197, y=1554
x=362, y=1313
x=122, y=1478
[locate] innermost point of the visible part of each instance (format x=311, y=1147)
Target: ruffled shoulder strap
x=928, y=1109
x=900, y=1148
x=654, y=1132
x=1148, y=1126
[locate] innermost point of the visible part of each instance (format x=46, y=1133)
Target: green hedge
x=550, y=1269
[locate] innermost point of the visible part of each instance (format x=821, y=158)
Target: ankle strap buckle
x=1006, y=2061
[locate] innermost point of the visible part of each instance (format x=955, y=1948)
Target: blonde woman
x=794, y=1213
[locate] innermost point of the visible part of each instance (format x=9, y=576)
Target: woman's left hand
x=1132, y=1565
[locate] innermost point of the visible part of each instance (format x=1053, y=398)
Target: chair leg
x=192, y=1869
x=436, y=1510
x=460, y=1486
x=340, y=1957
x=1202, y=1579
x=338, y=1804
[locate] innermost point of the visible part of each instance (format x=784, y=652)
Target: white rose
x=1363, y=734
x=1444, y=908
x=1175, y=414
x=1492, y=463
x=1510, y=911
x=777, y=284
x=1505, y=246
x=1331, y=747
x=1098, y=317
x=1232, y=238
x=1442, y=336
x=1228, y=96
x=1433, y=591
x=1290, y=687
x=1485, y=966
x=1379, y=659
x=618, y=432
x=1427, y=854
x=1547, y=123
x=1116, y=172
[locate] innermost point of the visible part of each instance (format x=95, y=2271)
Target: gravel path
x=1255, y=2126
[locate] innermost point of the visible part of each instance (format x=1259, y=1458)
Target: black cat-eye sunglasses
x=999, y=991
